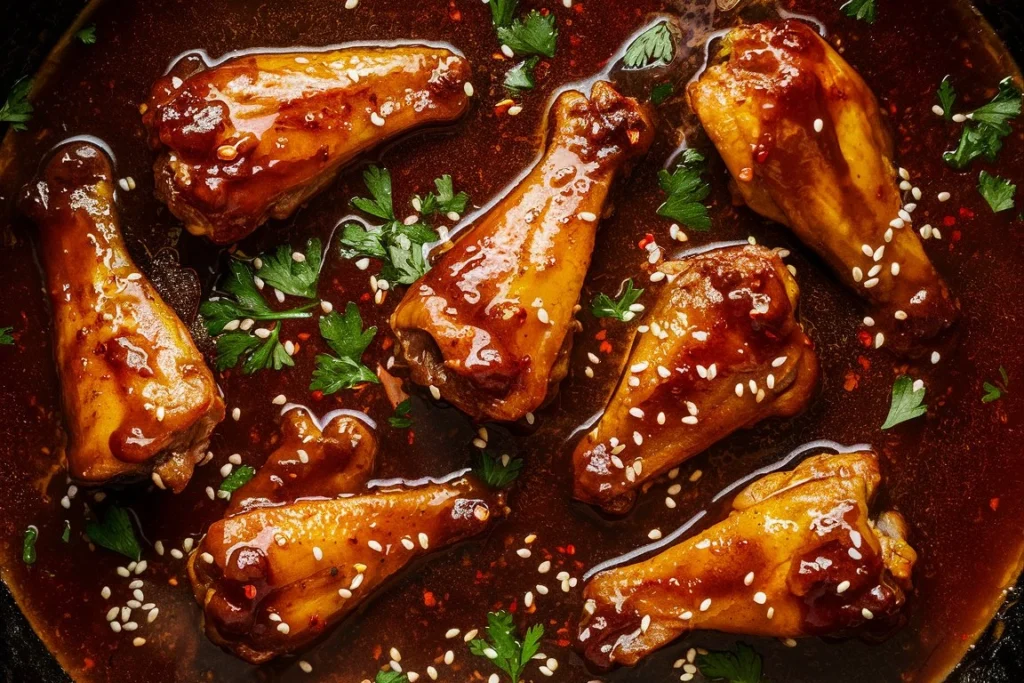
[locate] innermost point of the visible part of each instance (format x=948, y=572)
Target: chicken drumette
x=255, y=136
x=138, y=398
x=803, y=137
x=799, y=555
x=490, y=326
x=723, y=351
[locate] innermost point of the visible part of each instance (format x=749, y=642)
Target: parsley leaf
x=378, y=182
x=390, y=677
x=115, y=533
x=742, y=666
x=686, y=191
x=536, y=34
x=401, y=420
x=66, y=535
x=17, y=110
x=512, y=656
x=521, y=77
x=995, y=391
x=998, y=192
x=259, y=354
x=245, y=302
x=6, y=339
x=298, y=278
x=606, y=307
x=502, y=11
x=864, y=10
x=87, y=35
x=653, y=46
x=906, y=402
x=989, y=124
x=445, y=201
x=661, y=92
x=28, y=547
x=346, y=337
x=947, y=96
x=498, y=471
x=237, y=479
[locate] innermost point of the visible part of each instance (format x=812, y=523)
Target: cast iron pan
x=30, y=31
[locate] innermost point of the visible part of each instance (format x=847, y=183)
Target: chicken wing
x=138, y=398
x=803, y=137
x=723, y=351
x=798, y=556
x=271, y=580
x=257, y=135
x=311, y=461
x=490, y=326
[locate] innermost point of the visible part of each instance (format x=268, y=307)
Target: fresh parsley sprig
x=445, y=201
x=534, y=34
x=390, y=677
x=17, y=110
x=28, y=546
x=988, y=125
x=521, y=76
x=87, y=35
x=907, y=402
x=947, y=97
x=6, y=338
x=498, y=471
x=604, y=306
x=243, y=300
x=503, y=648
x=686, y=190
x=401, y=419
x=653, y=46
x=998, y=192
x=238, y=478
x=661, y=92
x=347, y=338
x=258, y=354
x=996, y=390
x=865, y=10
x=502, y=11
x=299, y=277
x=742, y=666
x=115, y=532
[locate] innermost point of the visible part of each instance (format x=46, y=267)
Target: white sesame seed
x=935, y=357
x=435, y=392
x=842, y=587
x=866, y=250
x=654, y=534
x=470, y=635
x=879, y=340
x=943, y=196
x=283, y=628
x=938, y=111
x=515, y=110
x=207, y=558
x=739, y=389
x=748, y=579
x=858, y=274
x=377, y=120
x=959, y=118
x=467, y=88
x=524, y=553
x=760, y=598
x=819, y=125
x=139, y=642
x=351, y=4
x=854, y=554
x=706, y=605
x=587, y=216
x=868, y=284
x=867, y=614
x=305, y=666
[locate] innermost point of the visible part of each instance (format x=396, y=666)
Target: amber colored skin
x=724, y=317
x=263, y=561
x=836, y=189
x=138, y=397
x=254, y=137
x=310, y=461
x=777, y=566
x=491, y=324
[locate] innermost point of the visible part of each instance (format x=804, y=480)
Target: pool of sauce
x=955, y=475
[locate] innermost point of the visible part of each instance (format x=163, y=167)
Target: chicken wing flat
x=723, y=351
x=490, y=326
x=138, y=398
x=803, y=137
x=799, y=555
x=311, y=460
x=271, y=580
x=257, y=135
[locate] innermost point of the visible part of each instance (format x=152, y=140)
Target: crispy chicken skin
x=835, y=188
x=310, y=460
x=724, y=351
x=138, y=398
x=273, y=579
x=257, y=135
x=490, y=326
x=798, y=555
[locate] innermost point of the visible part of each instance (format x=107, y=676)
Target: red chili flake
x=966, y=213
x=864, y=363
x=544, y=11
x=89, y=663
x=994, y=504
x=570, y=549
x=304, y=336
x=429, y=600
x=956, y=236
x=601, y=336
x=454, y=12
x=852, y=380
x=605, y=347
x=865, y=338
x=564, y=642
x=250, y=591
x=575, y=41
x=365, y=297
x=388, y=343
x=648, y=238
x=578, y=8
x=513, y=606
x=411, y=438
x=949, y=221
x=318, y=395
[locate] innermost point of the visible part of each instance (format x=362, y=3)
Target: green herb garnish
x=243, y=300
x=742, y=666
x=87, y=35
x=983, y=135
x=66, y=535
x=6, y=338
x=661, y=92
x=115, y=533
x=498, y=471
x=502, y=11
x=521, y=76
x=238, y=478
x=28, y=548
x=401, y=419
x=509, y=654
x=864, y=10
x=259, y=354
x=17, y=110
x=686, y=190
x=298, y=278
x=604, y=306
x=947, y=96
x=346, y=337
x=998, y=192
x=653, y=46
x=536, y=34
x=445, y=201
x=906, y=402
x=390, y=677
x=995, y=390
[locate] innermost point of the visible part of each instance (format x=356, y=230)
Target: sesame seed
x=283, y=628
x=470, y=635
x=449, y=657
x=524, y=553
x=207, y=558
x=943, y=196
x=424, y=541
x=435, y=392
x=897, y=223
x=376, y=119
x=351, y=4
x=515, y=110
x=854, y=554
x=959, y=118
x=706, y=605
x=748, y=579
x=544, y=567
x=139, y=642
x=587, y=216
x=279, y=400
x=305, y=666
x=900, y=315
x=645, y=623
x=935, y=357
x=637, y=368
x=938, y=111
x=867, y=614
x=654, y=534
x=866, y=250
x=739, y=389
x=507, y=51
x=467, y=88
x=819, y=125
x=871, y=283
x=760, y=598
x=879, y=340
x=858, y=274
x=842, y=587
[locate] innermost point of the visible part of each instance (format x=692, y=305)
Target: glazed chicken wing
x=138, y=398
x=271, y=580
x=723, y=351
x=491, y=324
x=803, y=137
x=798, y=556
x=257, y=135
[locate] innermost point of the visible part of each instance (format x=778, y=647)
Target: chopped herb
x=998, y=192
x=661, y=92
x=606, y=307
x=17, y=110
x=502, y=11
x=864, y=10
x=686, y=191
x=66, y=535
x=653, y=46
x=259, y=354
x=378, y=182
x=6, y=339
x=28, y=548
x=115, y=533
x=983, y=135
x=498, y=472
x=521, y=76
x=87, y=35
x=445, y=201
x=298, y=278
x=742, y=666
x=947, y=96
x=237, y=479
x=536, y=34
x=512, y=655
x=906, y=402
x=995, y=391
x=346, y=337
x=401, y=420
x=390, y=677
x=245, y=302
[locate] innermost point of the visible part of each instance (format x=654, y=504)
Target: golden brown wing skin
x=491, y=324
x=798, y=556
x=724, y=351
x=310, y=462
x=255, y=136
x=137, y=394
x=273, y=579
x=837, y=188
